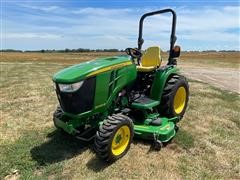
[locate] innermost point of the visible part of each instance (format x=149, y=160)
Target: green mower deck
x=163, y=132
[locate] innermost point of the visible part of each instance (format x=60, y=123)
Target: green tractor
x=110, y=100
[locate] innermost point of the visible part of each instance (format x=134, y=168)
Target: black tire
x=58, y=114
x=106, y=134
x=158, y=145
x=171, y=88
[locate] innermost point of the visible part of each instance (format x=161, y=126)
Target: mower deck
x=163, y=132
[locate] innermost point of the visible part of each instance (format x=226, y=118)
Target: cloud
x=30, y=36
x=209, y=19
x=101, y=11
x=60, y=27
x=41, y=8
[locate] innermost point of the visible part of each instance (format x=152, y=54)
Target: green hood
x=83, y=70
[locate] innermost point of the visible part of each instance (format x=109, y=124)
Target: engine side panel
x=109, y=83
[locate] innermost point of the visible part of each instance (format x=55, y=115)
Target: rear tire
x=175, y=97
x=114, y=137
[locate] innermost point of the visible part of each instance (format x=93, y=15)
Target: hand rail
x=173, y=37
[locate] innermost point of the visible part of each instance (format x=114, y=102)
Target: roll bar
x=173, y=37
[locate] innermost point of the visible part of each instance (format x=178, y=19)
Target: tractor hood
x=87, y=69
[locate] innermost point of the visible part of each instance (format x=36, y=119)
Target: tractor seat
x=150, y=60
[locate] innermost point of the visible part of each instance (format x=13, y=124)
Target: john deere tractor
x=110, y=100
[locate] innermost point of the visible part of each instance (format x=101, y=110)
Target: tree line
x=67, y=50
x=79, y=50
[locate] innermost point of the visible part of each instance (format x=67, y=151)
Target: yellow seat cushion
x=150, y=60
x=145, y=69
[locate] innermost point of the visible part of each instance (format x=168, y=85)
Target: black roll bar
x=173, y=37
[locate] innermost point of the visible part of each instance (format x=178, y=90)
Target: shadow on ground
x=58, y=148
x=62, y=146
x=97, y=164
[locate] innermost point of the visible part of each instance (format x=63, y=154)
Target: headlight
x=70, y=87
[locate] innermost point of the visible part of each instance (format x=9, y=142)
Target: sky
x=98, y=24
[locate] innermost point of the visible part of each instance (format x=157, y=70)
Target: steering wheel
x=133, y=52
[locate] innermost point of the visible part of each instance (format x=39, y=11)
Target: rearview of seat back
x=151, y=57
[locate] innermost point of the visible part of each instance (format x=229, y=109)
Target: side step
x=144, y=103
x=87, y=135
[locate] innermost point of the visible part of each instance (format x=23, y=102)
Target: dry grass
x=216, y=59
x=206, y=147
x=63, y=58
x=211, y=59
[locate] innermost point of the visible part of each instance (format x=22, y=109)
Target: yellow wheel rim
x=180, y=100
x=121, y=140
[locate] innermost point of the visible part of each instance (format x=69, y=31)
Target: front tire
x=175, y=97
x=114, y=137
x=58, y=114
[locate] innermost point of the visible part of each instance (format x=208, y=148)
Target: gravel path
x=224, y=78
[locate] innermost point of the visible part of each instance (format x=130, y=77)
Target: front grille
x=79, y=101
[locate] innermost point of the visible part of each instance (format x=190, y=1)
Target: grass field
x=207, y=145
x=223, y=59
